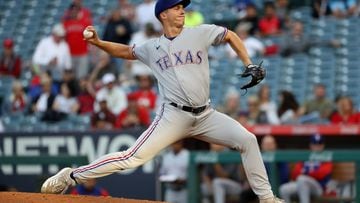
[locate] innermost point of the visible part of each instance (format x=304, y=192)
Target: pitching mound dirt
x=21, y=197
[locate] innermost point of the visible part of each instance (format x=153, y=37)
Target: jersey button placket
x=179, y=80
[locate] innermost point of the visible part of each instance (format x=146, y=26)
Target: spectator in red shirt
x=86, y=97
x=103, y=119
x=145, y=95
x=346, y=113
x=134, y=115
x=89, y=188
x=10, y=63
x=84, y=13
x=309, y=178
x=75, y=20
x=269, y=24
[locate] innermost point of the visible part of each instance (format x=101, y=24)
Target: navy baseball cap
x=316, y=139
x=162, y=5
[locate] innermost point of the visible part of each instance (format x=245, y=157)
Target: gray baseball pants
x=172, y=124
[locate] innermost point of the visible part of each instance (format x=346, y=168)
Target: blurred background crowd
x=51, y=80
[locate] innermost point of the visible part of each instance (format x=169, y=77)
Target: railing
x=196, y=158
x=305, y=129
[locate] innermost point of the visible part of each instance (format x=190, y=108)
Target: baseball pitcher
x=179, y=61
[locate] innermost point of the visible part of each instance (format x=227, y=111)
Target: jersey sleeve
x=141, y=52
x=214, y=34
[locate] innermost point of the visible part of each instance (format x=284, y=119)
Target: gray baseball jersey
x=182, y=68
x=181, y=65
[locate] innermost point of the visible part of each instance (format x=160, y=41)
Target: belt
x=196, y=110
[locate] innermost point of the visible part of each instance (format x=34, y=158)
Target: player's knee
x=139, y=159
x=245, y=141
x=136, y=160
x=251, y=139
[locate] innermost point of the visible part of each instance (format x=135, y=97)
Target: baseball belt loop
x=180, y=106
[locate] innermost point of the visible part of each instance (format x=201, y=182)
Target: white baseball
x=87, y=34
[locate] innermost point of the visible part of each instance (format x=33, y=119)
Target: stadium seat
x=5, y=85
x=12, y=127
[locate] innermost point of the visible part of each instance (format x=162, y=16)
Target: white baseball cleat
x=58, y=183
x=272, y=200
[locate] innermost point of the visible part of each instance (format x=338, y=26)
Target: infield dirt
x=22, y=197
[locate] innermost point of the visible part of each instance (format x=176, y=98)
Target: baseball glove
x=257, y=74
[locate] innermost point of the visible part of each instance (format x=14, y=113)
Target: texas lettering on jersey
x=179, y=58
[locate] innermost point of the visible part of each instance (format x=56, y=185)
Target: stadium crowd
x=70, y=77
